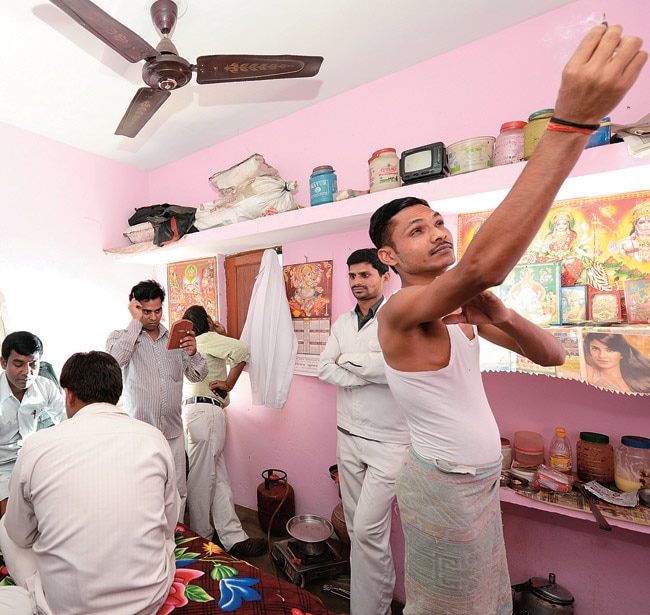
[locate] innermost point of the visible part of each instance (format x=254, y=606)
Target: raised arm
x=601, y=71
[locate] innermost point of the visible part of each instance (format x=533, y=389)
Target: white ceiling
x=64, y=83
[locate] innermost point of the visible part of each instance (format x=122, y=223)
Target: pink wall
x=61, y=206
x=466, y=93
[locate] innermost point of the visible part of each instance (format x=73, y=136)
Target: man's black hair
x=380, y=222
x=94, y=377
x=198, y=317
x=367, y=255
x=147, y=290
x=22, y=342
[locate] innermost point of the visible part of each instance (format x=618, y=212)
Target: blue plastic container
x=322, y=185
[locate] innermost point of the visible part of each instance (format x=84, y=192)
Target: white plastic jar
x=632, y=463
x=509, y=144
x=384, y=169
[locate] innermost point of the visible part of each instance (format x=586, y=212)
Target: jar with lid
x=509, y=144
x=595, y=457
x=322, y=185
x=534, y=130
x=632, y=463
x=384, y=169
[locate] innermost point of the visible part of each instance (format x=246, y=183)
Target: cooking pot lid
x=309, y=528
x=551, y=591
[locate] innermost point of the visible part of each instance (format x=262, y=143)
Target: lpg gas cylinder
x=276, y=502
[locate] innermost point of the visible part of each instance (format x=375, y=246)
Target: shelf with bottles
x=600, y=171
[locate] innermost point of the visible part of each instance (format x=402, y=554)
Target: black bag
x=170, y=222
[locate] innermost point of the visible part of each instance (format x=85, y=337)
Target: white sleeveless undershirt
x=447, y=410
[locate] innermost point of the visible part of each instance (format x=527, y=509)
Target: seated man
x=84, y=495
x=27, y=401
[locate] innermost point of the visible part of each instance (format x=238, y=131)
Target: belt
x=202, y=400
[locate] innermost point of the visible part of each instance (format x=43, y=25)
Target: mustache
x=442, y=244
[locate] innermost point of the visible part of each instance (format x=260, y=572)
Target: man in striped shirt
x=153, y=375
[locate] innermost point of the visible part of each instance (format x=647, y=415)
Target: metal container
x=310, y=532
x=322, y=185
x=275, y=502
x=539, y=596
x=534, y=130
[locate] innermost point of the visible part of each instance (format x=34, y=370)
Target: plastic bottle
x=560, y=451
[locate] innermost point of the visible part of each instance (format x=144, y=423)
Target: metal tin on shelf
x=322, y=185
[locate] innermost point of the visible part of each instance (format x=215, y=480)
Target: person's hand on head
x=135, y=309
x=601, y=71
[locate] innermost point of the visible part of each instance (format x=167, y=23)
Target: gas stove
x=301, y=568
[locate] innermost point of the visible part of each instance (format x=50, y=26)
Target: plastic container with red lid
x=384, y=169
x=509, y=144
x=529, y=448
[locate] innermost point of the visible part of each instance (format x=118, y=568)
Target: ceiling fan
x=164, y=70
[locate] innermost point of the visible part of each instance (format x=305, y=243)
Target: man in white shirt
x=373, y=436
x=84, y=495
x=153, y=375
x=27, y=401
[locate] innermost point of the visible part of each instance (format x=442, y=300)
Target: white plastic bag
x=254, y=166
x=276, y=198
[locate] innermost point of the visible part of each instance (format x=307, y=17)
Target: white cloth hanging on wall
x=269, y=335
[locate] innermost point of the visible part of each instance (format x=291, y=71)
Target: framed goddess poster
x=192, y=283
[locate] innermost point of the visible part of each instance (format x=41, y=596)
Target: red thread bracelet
x=565, y=126
x=560, y=128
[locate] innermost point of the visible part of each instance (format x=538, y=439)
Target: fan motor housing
x=167, y=72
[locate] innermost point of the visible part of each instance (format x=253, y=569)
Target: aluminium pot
x=310, y=532
x=539, y=596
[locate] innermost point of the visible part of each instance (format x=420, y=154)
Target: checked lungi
x=455, y=554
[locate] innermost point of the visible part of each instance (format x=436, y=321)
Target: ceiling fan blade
x=144, y=104
x=116, y=35
x=223, y=68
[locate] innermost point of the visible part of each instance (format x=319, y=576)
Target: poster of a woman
x=613, y=362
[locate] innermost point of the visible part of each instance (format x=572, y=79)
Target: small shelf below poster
x=634, y=519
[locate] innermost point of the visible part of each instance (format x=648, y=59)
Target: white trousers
x=209, y=495
x=21, y=563
x=178, y=452
x=367, y=472
x=15, y=600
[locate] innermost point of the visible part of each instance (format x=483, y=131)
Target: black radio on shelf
x=423, y=163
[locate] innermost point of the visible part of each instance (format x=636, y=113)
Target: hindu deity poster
x=309, y=293
x=599, y=241
x=192, y=283
x=534, y=292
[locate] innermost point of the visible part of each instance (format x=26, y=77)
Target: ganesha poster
x=192, y=283
x=309, y=293
x=599, y=241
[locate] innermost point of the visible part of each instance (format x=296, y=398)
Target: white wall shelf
x=600, y=171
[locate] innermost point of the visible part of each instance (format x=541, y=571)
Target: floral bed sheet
x=208, y=580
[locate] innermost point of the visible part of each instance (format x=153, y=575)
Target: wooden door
x=241, y=271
